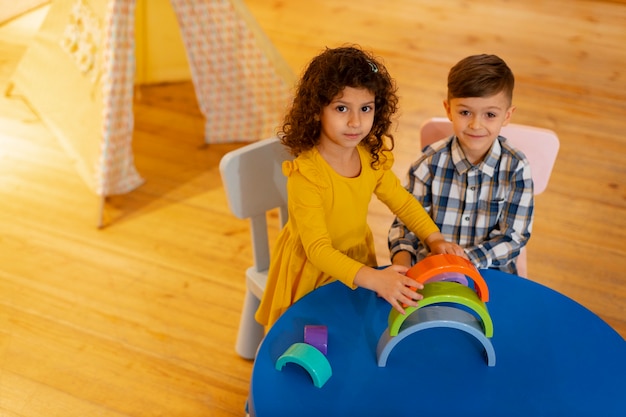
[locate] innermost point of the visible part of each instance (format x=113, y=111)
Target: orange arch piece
x=436, y=264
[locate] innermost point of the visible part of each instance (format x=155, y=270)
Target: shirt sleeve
x=505, y=242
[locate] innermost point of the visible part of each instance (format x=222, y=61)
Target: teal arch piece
x=431, y=317
x=444, y=292
x=310, y=358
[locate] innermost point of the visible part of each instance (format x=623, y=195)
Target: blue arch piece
x=430, y=317
x=310, y=358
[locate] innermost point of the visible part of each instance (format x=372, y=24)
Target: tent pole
x=101, y=211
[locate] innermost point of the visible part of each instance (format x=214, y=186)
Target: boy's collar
x=487, y=165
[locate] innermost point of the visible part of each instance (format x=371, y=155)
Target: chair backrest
x=540, y=146
x=254, y=184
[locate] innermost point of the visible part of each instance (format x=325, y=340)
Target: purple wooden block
x=317, y=336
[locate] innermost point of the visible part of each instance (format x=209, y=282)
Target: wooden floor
x=139, y=318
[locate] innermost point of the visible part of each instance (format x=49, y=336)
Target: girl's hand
x=391, y=284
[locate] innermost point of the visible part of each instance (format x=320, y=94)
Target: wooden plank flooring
x=139, y=318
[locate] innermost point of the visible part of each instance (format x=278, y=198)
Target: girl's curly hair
x=325, y=77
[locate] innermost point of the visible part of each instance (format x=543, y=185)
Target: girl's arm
x=412, y=214
x=403, y=244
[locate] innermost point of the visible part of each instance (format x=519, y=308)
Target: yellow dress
x=326, y=237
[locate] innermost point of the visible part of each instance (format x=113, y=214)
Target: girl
x=336, y=129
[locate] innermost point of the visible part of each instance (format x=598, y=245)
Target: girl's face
x=477, y=122
x=348, y=118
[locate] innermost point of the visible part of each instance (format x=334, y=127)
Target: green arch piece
x=444, y=292
x=310, y=358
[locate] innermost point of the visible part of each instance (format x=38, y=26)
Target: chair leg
x=250, y=332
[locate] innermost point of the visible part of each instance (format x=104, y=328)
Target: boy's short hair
x=480, y=76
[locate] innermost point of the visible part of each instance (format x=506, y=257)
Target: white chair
x=254, y=185
x=540, y=146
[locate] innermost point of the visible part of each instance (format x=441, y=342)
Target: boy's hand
x=402, y=258
x=438, y=245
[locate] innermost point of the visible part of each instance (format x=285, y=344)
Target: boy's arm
x=404, y=258
x=402, y=244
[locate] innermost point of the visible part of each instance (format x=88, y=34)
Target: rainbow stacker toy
x=448, y=302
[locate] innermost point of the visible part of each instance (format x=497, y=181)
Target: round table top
x=553, y=357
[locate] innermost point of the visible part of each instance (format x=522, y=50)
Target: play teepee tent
x=79, y=76
x=12, y=9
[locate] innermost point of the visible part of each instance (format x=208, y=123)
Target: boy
x=475, y=186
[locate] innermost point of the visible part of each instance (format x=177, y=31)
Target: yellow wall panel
x=160, y=51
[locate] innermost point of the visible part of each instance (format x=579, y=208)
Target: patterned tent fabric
x=240, y=92
x=79, y=76
x=116, y=173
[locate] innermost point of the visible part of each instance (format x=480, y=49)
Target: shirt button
x=467, y=218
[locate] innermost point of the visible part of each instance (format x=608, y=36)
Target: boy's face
x=477, y=122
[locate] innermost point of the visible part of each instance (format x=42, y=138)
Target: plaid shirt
x=486, y=208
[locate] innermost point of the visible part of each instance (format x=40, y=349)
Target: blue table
x=553, y=358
